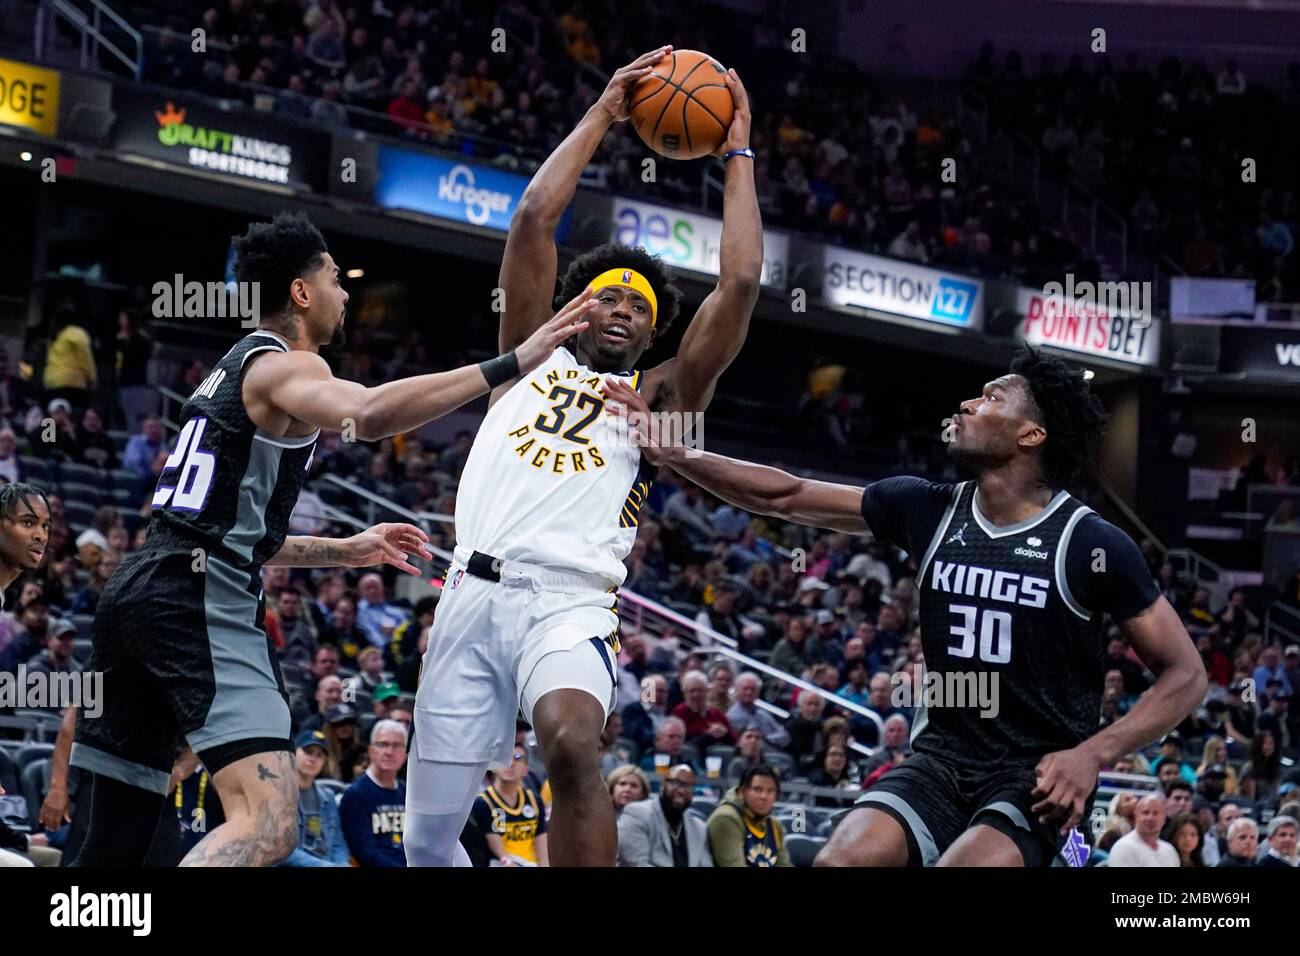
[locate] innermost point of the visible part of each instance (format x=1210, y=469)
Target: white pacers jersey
x=552, y=479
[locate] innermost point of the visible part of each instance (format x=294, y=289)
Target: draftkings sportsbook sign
x=187, y=131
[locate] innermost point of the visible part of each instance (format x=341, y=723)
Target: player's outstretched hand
x=388, y=543
x=1065, y=780
x=642, y=427
x=569, y=321
x=616, y=101
x=738, y=131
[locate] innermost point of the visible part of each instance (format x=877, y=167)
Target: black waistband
x=484, y=566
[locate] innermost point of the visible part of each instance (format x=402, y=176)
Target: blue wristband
x=738, y=152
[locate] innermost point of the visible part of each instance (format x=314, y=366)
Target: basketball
x=683, y=109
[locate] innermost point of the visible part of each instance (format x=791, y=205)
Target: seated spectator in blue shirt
x=1171, y=750
x=373, y=809
x=143, y=448
x=375, y=616
x=856, y=689
x=1270, y=669
x=320, y=833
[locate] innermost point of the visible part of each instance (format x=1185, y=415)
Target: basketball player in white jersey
x=548, y=503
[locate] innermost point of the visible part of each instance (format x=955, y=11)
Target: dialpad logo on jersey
x=1009, y=586
x=1029, y=553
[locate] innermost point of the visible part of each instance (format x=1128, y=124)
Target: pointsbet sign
x=29, y=97
x=194, y=133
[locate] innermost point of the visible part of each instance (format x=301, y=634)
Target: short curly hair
x=275, y=253
x=1067, y=408
x=613, y=255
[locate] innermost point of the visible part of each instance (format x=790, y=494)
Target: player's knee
x=832, y=854
x=571, y=757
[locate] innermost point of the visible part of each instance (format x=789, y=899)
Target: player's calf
x=582, y=826
x=260, y=797
x=865, y=837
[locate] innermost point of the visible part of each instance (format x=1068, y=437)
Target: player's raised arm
x=720, y=325
x=301, y=384
x=529, y=265
x=756, y=488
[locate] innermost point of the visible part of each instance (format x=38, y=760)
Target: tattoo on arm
x=317, y=551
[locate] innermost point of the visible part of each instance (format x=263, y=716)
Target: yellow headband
x=632, y=280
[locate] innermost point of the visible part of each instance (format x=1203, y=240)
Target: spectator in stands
x=688, y=663
x=804, y=727
x=344, y=633
x=705, y=725
x=94, y=447
x=329, y=588
x=132, y=349
x=792, y=654
x=1243, y=842
x=660, y=832
x=57, y=657
x=1215, y=842
x=1171, y=750
x=11, y=469
x=408, y=109
x=1241, y=716
x=1218, y=666
x=1276, y=717
x=909, y=245
x=29, y=632
x=643, y=717
x=509, y=813
x=1270, y=669
x=879, y=701
x=1282, y=831
x=742, y=830
x=644, y=580
x=26, y=849
x=855, y=689
x=833, y=770
x=721, y=615
x=370, y=674
x=1118, y=658
x=746, y=713
x=1261, y=775
x=328, y=696
x=687, y=511
x=626, y=785
x=669, y=741
x=88, y=597
x=70, y=371
x=1178, y=800
x=1185, y=837
x=1143, y=846
x=377, y=617
x=893, y=750
x=320, y=834
x=144, y=448
x=373, y=808
x=55, y=437
x=295, y=630
x=749, y=753
x=721, y=676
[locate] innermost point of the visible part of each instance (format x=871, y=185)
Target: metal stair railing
x=90, y=24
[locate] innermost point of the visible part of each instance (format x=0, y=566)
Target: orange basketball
x=683, y=108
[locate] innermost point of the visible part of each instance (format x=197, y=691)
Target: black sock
x=123, y=821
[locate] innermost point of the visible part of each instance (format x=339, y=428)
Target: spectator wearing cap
x=373, y=809
x=1276, y=717
x=384, y=698
x=1282, y=830
x=320, y=834
x=667, y=749
x=705, y=725
x=1212, y=782
x=510, y=815
x=328, y=694
x=659, y=832
x=57, y=657
x=1143, y=846
x=746, y=713
x=342, y=730
x=70, y=371
x=376, y=616
x=1243, y=842
x=1271, y=669
x=1171, y=751
x=142, y=449
x=742, y=830
x=1261, y=775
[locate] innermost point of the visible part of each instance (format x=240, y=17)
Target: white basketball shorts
x=487, y=640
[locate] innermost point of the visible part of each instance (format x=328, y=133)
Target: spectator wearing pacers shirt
x=509, y=813
x=742, y=831
x=373, y=809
